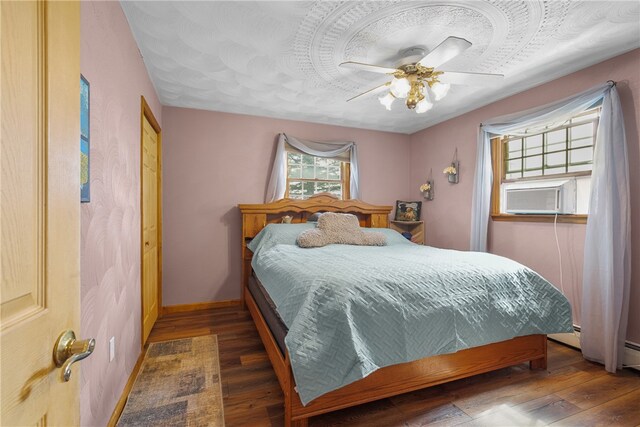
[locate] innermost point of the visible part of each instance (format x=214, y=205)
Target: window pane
x=294, y=171
x=555, y=159
x=558, y=146
x=580, y=168
x=322, y=187
x=515, y=148
x=295, y=186
x=556, y=136
x=528, y=174
x=320, y=161
x=514, y=165
x=582, y=131
x=513, y=175
x=333, y=172
x=336, y=189
x=580, y=155
x=533, y=145
x=334, y=163
x=295, y=190
x=307, y=160
x=534, y=162
x=321, y=172
x=555, y=171
x=308, y=172
x=308, y=189
x=584, y=142
x=293, y=157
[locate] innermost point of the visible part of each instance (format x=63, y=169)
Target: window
x=308, y=175
x=552, y=157
x=564, y=150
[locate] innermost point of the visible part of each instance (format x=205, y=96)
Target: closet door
x=150, y=226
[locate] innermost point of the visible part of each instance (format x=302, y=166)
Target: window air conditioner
x=541, y=197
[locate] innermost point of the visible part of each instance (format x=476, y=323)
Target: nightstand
x=416, y=228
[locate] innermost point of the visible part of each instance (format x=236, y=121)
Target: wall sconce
x=453, y=171
x=427, y=188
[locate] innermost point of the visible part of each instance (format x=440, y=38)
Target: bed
x=387, y=379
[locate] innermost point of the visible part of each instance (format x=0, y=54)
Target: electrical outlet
x=112, y=348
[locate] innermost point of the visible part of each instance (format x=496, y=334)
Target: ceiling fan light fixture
x=418, y=83
x=387, y=100
x=400, y=87
x=440, y=90
x=423, y=106
x=415, y=94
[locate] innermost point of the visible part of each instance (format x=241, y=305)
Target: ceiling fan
x=419, y=82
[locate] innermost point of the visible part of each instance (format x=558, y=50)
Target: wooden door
x=150, y=221
x=39, y=209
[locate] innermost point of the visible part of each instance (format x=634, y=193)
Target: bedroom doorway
x=151, y=213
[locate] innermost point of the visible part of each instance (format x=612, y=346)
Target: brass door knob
x=68, y=350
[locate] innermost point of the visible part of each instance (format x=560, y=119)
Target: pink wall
x=110, y=252
x=533, y=244
x=214, y=161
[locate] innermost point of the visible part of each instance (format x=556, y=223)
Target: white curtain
x=278, y=180
x=607, y=249
x=607, y=268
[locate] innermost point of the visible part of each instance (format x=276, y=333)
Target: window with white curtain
x=556, y=155
x=565, y=150
x=308, y=175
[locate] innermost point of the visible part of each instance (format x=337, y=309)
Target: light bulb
x=440, y=90
x=387, y=100
x=423, y=106
x=400, y=87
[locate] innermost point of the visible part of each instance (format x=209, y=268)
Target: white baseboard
x=631, y=356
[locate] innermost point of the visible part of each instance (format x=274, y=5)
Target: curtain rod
x=611, y=82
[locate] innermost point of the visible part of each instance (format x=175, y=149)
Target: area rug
x=178, y=385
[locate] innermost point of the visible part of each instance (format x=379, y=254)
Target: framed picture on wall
x=84, y=140
x=408, y=211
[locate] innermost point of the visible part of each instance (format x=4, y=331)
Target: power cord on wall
x=555, y=232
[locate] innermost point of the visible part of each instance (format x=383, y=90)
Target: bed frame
x=385, y=382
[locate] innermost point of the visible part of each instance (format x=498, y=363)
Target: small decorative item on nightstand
x=407, y=221
x=408, y=211
x=453, y=170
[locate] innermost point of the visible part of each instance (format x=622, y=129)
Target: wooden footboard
x=397, y=379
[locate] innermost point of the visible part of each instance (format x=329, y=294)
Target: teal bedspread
x=351, y=309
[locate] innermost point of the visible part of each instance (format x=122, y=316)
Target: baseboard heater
x=631, y=357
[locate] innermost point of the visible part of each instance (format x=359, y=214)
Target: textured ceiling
x=280, y=59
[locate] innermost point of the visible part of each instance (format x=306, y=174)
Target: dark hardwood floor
x=571, y=392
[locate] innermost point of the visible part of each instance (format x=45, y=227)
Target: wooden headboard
x=256, y=217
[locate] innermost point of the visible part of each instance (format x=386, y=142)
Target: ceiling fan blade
x=445, y=51
x=368, y=67
x=470, y=79
x=371, y=91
